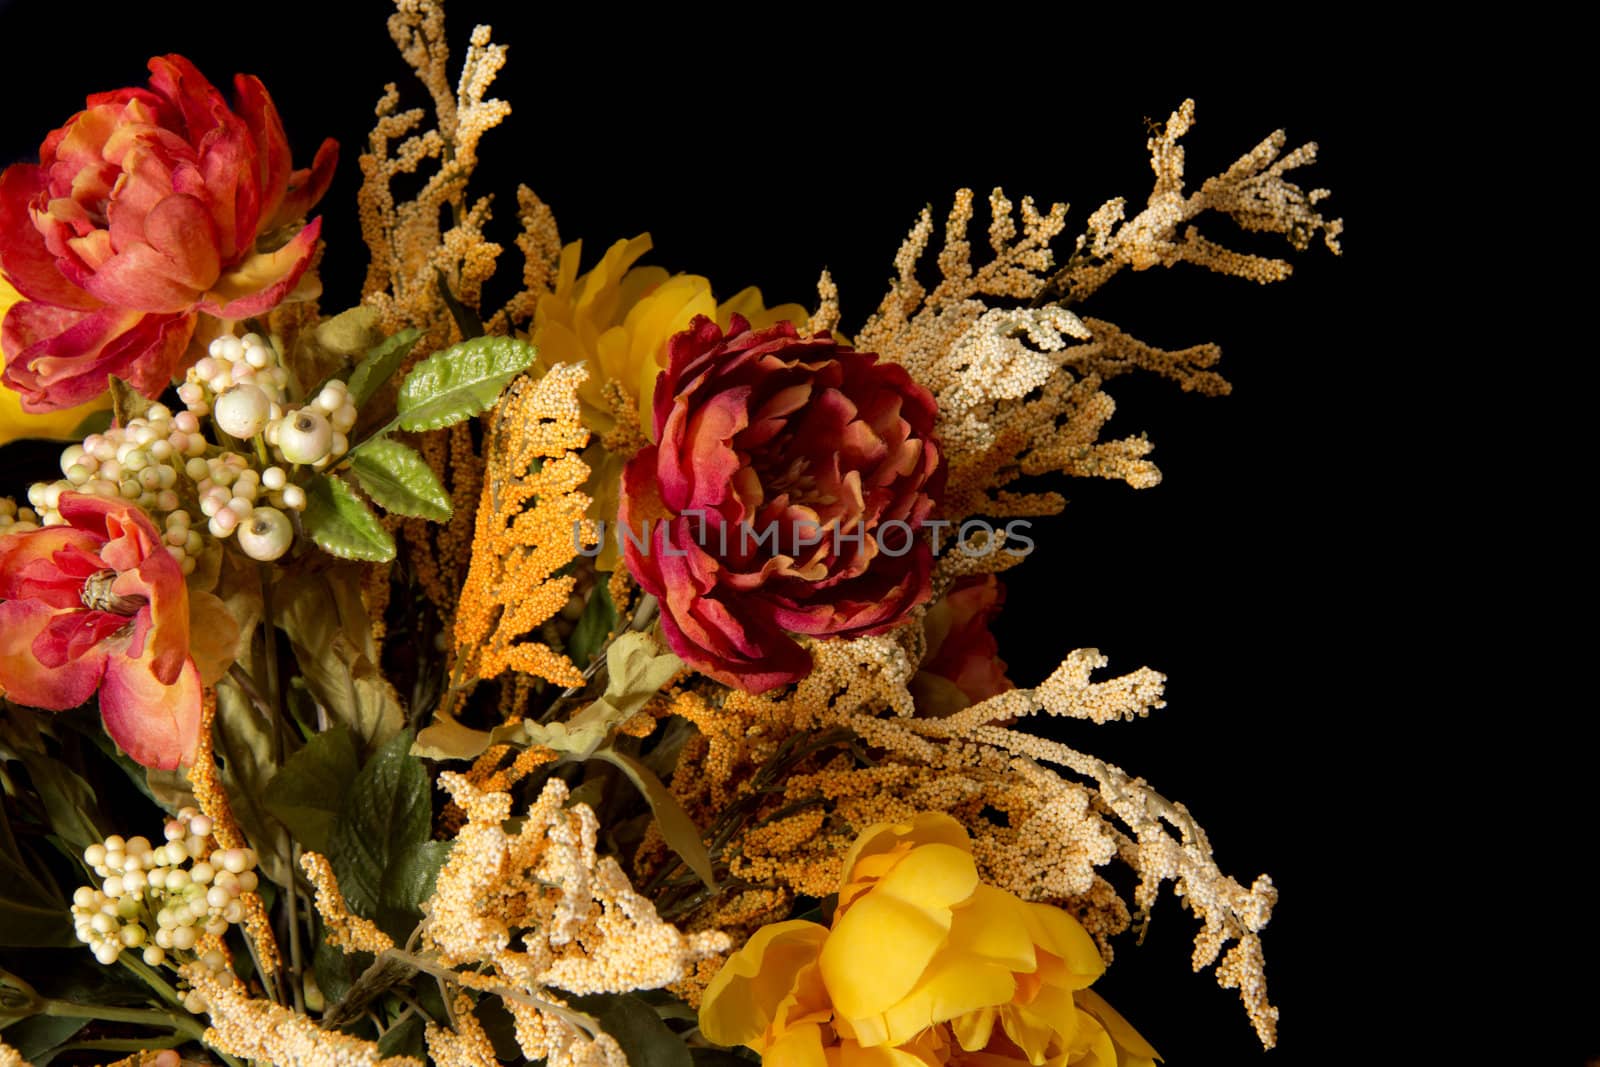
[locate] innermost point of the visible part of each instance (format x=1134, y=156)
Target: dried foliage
x=525, y=531
x=1019, y=388
x=807, y=769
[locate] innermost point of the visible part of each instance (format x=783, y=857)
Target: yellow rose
x=923, y=965
x=618, y=317
x=14, y=422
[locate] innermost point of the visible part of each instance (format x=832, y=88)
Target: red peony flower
x=783, y=496
x=962, y=665
x=98, y=603
x=147, y=209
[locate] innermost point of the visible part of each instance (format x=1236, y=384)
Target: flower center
x=97, y=595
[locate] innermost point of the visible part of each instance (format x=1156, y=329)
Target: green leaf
x=31, y=916
x=68, y=801
x=382, y=823
x=308, y=790
x=381, y=361
x=341, y=523
x=462, y=381
x=349, y=333
x=645, y=1039
x=598, y=620
x=679, y=831
x=327, y=624
x=249, y=760
x=37, y=1038
x=126, y=401
x=404, y=1039
x=445, y=739
x=410, y=880
x=636, y=671
x=94, y=422
x=399, y=480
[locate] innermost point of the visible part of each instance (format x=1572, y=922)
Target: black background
x=1273, y=575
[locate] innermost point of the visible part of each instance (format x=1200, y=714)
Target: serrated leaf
x=598, y=620
x=383, y=820
x=644, y=1038
x=679, y=831
x=410, y=880
x=381, y=361
x=309, y=788
x=399, y=480
x=342, y=525
x=462, y=381
x=327, y=624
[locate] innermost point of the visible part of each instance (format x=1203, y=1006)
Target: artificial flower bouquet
x=604, y=677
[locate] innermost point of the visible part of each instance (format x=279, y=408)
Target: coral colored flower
x=923, y=964
x=783, y=496
x=98, y=604
x=55, y=425
x=962, y=665
x=149, y=208
x=618, y=318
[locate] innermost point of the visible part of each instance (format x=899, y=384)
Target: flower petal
x=156, y=723
x=24, y=679
x=262, y=281
x=213, y=636
x=742, y=1000
x=27, y=263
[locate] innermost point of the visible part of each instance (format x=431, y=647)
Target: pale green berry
x=266, y=534
x=304, y=436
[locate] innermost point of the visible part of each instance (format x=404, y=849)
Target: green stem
x=152, y=978
x=165, y=1020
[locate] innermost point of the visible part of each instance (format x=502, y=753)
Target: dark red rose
x=784, y=495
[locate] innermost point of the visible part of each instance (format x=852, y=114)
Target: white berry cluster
x=14, y=519
x=245, y=369
x=159, y=899
x=315, y=434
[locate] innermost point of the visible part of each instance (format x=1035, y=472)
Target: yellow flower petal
x=1077, y=958
x=926, y=828
x=1137, y=1051
x=883, y=943
x=799, y=1047
x=744, y=997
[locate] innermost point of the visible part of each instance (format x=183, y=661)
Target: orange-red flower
x=962, y=665
x=98, y=604
x=784, y=494
x=147, y=209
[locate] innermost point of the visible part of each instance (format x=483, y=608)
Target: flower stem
x=165, y=1020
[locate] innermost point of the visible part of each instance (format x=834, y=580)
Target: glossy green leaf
x=341, y=524
x=399, y=480
x=410, y=879
x=462, y=381
x=381, y=361
x=308, y=790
